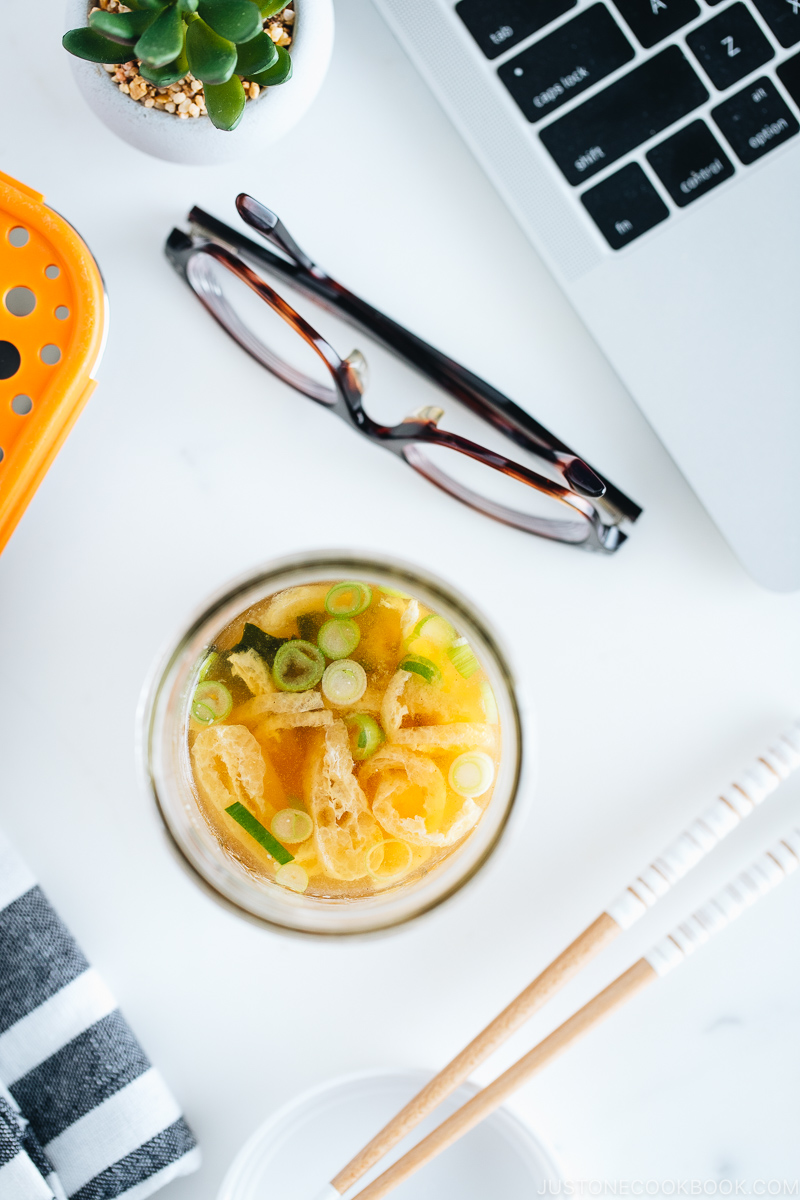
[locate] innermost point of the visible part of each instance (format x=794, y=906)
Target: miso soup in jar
x=343, y=739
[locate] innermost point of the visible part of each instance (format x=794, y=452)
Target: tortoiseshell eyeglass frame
x=594, y=510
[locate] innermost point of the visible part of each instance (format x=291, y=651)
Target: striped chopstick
x=728, y=810
x=761, y=877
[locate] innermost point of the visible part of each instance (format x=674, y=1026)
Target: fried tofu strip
x=279, y=615
x=252, y=670
x=229, y=766
x=458, y=735
x=344, y=828
x=278, y=702
x=293, y=720
x=398, y=770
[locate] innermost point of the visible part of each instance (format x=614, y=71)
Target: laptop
x=649, y=149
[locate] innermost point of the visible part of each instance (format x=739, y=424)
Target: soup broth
x=343, y=739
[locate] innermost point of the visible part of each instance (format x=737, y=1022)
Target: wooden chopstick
x=756, y=782
x=761, y=877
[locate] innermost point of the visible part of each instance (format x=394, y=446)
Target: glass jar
x=165, y=755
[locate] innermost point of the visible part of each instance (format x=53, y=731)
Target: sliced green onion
x=291, y=825
x=471, y=774
x=209, y=665
x=394, y=592
x=489, y=703
x=338, y=637
x=242, y=816
x=435, y=628
x=389, y=859
x=365, y=735
x=292, y=876
x=462, y=658
x=423, y=667
x=211, y=702
x=263, y=643
x=344, y=682
x=298, y=666
x=348, y=599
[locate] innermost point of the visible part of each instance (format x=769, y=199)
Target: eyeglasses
x=577, y=506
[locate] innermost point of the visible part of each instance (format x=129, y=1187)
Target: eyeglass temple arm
x=474, y=392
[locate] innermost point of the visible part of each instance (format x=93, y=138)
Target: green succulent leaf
x=162, y=42
x=236, y=20
x=280, y=73
x=187, y=6
x=256, y=55
x=163, y=76
x=126, y=28
x=211, y=58
x=268, y=8
x=93, y=47
x=225, y=103
x=153, y=5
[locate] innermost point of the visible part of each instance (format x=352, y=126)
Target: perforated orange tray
x=52, y=326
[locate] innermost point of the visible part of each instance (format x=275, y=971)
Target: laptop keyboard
x=646, y=94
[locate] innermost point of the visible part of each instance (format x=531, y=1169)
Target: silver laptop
x=650, y=151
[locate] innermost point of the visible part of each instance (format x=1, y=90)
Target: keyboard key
x=755, y=120
x=629, y=111
x=730, y=46
x=566, y=62
x=690, y=163
x=652, y=20
x=625, y=206
x=497, y=25
x=783, y=18
x=789, y=75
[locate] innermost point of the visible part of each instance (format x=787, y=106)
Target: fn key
x=625, y=205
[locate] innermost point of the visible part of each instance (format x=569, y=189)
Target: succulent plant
x=221, y=42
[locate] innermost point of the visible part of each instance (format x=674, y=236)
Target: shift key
x=625, y=114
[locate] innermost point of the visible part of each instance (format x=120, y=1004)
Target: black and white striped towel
x=83, y=1114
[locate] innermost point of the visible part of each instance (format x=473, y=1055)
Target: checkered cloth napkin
x=83, y=1114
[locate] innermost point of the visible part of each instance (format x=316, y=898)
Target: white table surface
x=652, y=676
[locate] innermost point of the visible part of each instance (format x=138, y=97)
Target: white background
x=652, y=676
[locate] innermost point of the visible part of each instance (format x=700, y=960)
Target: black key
x=783, y=18
x=755, y=120
x=730, y=46
x=690, y=163
x=626, y=113
x=498, y=24
x=789, y=75
x=566, y=62
x=625, y=206
x=652, y=20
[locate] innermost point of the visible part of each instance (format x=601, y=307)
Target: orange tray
x=52, y=326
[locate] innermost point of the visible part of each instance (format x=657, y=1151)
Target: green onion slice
x=471, y=774
x=209, y=664
x=389, y=859
x=344, y=682
x=298, y=666
x=242, y=816
x=292, y=825
x=489, y=703
x=348, y=599
x=436, y=629
x=462, y=658
x=365, y=735
x=393, y=592
x=423, y=667
x=211, y=702
x=338, y=637
x=292, y=876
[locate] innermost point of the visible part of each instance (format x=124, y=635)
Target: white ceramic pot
x=196, y=140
